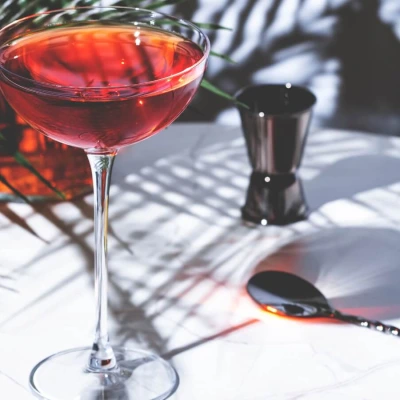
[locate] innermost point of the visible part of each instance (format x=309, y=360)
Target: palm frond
x=21, y=160
x=205, y=25
x=5, y=182
x=214, y=89
x=223, y=56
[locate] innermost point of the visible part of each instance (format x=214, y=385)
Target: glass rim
x=63, y=89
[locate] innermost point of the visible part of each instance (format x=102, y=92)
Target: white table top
x=180, y=258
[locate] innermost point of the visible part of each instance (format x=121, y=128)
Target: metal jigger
x=275, y=127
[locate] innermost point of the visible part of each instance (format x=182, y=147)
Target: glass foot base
x=139, y=375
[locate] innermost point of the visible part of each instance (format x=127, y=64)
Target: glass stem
x=102, y=357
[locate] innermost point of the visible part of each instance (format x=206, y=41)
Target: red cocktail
x=121, y=83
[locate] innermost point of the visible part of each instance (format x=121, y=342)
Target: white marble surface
x=180, y=258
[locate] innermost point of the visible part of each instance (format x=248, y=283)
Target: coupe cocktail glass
x=101, y=78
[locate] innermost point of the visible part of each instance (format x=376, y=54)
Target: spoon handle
x=365, y=323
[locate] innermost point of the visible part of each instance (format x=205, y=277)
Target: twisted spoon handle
x=365, y=323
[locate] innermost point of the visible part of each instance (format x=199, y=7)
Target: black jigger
x=275, y=128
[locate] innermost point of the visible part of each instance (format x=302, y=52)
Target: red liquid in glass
x=82, y=82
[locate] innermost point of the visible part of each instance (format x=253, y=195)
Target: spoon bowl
x=288, y=294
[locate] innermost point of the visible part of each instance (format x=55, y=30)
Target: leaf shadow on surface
x=319, y=249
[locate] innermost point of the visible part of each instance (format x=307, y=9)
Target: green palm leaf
x=21, y=160
x=223, y=56
x=205, y=25
x=13, y=189
x=214, y=89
